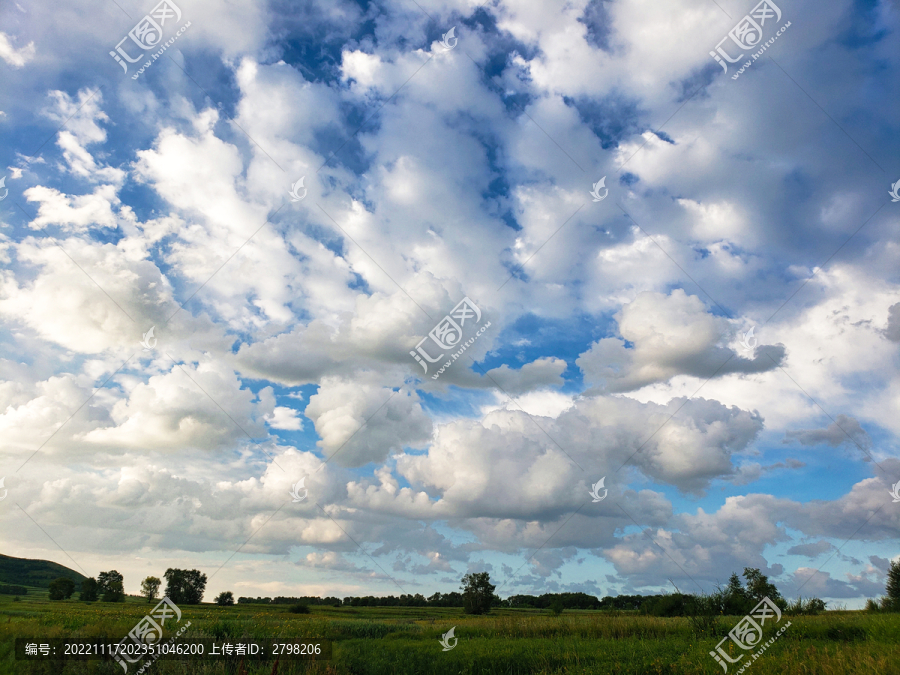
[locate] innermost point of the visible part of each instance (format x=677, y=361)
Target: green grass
x=389, y=640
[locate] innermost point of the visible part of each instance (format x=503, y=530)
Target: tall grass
x=400, y=641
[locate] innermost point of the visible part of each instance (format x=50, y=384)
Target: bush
x=298, y=609
x=810, y=607
x=62, y=588
x=225, y=599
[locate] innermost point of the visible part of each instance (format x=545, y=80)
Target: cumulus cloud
x=457, y=185
x=669, y=335
x=361, y=423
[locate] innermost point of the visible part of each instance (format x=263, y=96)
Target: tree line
x=477, y=596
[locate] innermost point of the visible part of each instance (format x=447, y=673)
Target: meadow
x=383, y=641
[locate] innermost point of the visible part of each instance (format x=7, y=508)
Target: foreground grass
x=387, y=641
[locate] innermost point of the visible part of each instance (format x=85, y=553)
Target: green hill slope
x=27, y=572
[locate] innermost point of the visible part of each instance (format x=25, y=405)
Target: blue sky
x=438, y=167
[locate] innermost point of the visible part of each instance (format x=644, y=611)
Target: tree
x=90, y=590
x=112, y=586
x=62, y=588
x=734, y=597
x=150, y=587
x=185, y=586
x=891, y=601
x=478, y=593
x=225, y=598
x=759, y=587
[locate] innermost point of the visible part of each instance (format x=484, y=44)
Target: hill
x=27, y=572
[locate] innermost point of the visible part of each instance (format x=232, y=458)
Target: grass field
x=506, y=642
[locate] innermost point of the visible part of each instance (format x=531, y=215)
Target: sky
x=351, y=298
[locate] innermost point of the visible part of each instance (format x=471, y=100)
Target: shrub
x=810, y=606
x=225, y=599
x=298, y=609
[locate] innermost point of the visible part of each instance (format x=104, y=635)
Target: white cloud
x=671, y=335
x=15, y=57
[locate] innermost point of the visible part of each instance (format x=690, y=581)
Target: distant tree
x=759, y=587
x=61, y=588
x=225, y=598
x=557, y=606
x=891, y=601
x=478, y=593
x=112, y=586
x=734, y=598
x=298, y=609
x=12, y=589
x=185, y=586
x=150, y=588
x=90, y=590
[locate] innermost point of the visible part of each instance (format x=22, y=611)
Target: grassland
x=382, y=641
